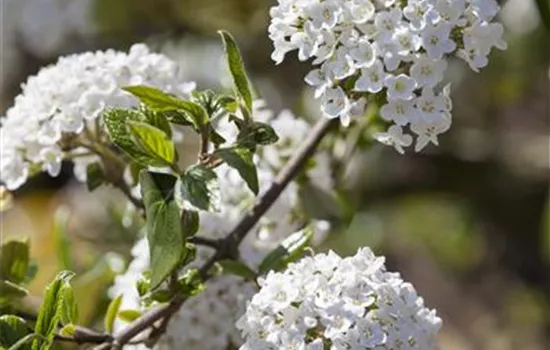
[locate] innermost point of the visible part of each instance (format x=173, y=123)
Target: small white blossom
x=372, y=78
x=335, y=103
x=428, y=72
x=394, y=137
x=398, y=111
x=400, y=87
x=436, y=41
x=351, y=303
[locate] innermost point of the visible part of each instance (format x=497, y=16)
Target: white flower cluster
x=326, y=302
x=397, y=50
x=207, y=321
x=58, y=112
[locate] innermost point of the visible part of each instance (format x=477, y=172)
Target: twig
x=207, y=242
x=231, y=242
x=123, y=187
x=85, y=336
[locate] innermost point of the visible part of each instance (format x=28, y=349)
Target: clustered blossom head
x=207, y=321
x=326, y=302
x=387, y=50
x=57, y=114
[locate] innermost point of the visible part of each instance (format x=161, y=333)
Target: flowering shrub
x=226, y=256
x=389, y=51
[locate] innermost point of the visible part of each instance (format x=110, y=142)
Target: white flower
x=406, y=41
x=319, y=80
x=427, y=131
x=420, y=13
x=394, y=137
x=387, y=21
x=484, y=9
x=324, y=14
x=319, y=300
x=372, y=78
x=399, y=111
x=364, y=54
x=429, y=105
x=361, y=10
x=427, y=71
x=51, y=160
x=436, y=41
x=400, y=87
x=335, y=103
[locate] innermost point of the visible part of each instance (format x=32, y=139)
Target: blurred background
x=468, y=223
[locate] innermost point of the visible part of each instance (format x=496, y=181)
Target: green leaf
x=68, y=330
x=95, y=176
x=160, y=101
x=257, y=133
x=129, y=315
x=12, y=329
x=153, y=141
x=189, y=222
x=199, y=186
x=291, y=249
x=69, y=310
x=14, y=260
x=59, y=232
x=236, y=67
x=164, y=233
x=191, y=283
x=237, y=268
x=154, y=98
x=53, y=308
x=10, y=290
x=23, y=342
x=160, y=121
x=111, y=314
x=241, y=159
x=116, y=121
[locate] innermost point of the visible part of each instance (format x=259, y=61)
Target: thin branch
x=85, y=336
x=233, y=239
x=123, y=187
x=207, y=242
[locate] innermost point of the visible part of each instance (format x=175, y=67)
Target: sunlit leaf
x=111, y=314
x=153, y=141
x=236, y=67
